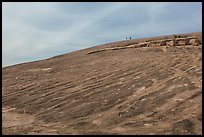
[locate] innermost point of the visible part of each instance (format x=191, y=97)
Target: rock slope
x=138, y=91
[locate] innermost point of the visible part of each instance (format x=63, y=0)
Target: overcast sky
x=33, y=31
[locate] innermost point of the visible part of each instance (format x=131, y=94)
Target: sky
x=38, y=30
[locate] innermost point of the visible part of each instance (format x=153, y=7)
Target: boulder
x=187, y=41
x=194, y=42
x=143, y=44
x=133, y=46
x=181, y=42
x=172, y=43
x=162, y=43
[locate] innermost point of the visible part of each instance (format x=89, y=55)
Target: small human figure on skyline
x=130, y=37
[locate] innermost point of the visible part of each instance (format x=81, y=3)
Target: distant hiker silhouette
x=126, y=38
x=130, y=37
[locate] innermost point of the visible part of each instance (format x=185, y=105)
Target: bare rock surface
x=136, y=91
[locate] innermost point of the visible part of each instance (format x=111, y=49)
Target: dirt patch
x=17, y=123
x=184, y=127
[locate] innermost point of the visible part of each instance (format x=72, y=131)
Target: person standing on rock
x=130, y=37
